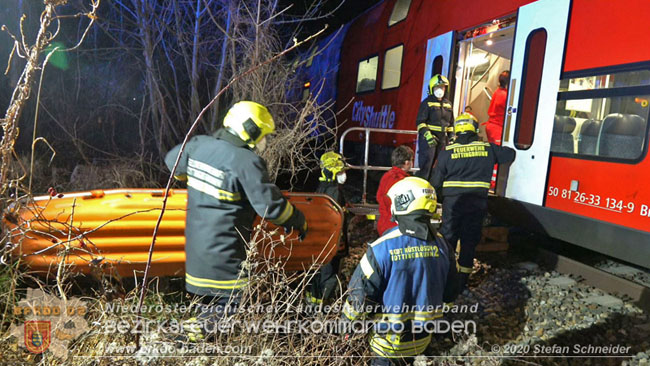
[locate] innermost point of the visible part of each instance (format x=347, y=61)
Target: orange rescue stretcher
x=111, y=230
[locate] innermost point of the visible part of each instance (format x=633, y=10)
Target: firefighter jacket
x=403, y=280
x=436, y=116
x=227, y=183
x=466, y=166
x=332, y=189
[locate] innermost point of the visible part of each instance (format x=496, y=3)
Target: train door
x=481, y=59
x=537, y=57
x=438, y=61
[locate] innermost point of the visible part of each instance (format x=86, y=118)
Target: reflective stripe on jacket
x=435, y=115
x=466, y=166
x=227, y=184
x=401, y=282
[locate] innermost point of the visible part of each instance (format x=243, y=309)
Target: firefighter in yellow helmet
x=227, y=184
x=433, y=121
x=462, y=177
x=404, y=276
x=324, y=282
x=333, y=176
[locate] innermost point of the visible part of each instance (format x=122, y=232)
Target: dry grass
x=276, y=296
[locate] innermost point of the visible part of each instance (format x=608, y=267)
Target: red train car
x=577, y=105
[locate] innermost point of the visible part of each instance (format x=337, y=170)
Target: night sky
x=348, y=11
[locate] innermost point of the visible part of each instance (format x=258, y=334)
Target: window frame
x=376, y=74
x=522, y=88
x=408, y=11
x=434, y=66
x=627, y=91
x=383, y=69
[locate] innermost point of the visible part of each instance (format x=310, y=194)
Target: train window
x=392, y=68
x=367, y=74
x=400, y=11
x=603, y=116
x=530, y=85
x=436, y=67
x=607, y=81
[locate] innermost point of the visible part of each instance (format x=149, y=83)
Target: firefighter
x=227, y=184
x=462, y=178
x=333, y=176
x=434, y=120
x=404, y=277
x=402, y=161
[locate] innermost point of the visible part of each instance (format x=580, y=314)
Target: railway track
x=542, y=306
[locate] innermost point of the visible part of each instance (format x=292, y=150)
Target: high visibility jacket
x=227, y=183
x=435, y=115
x=497, y=111
x=466, y=166
x=402, y=280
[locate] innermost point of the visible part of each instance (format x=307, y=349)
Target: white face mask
x=341, y=178
x=261, y=146
x=438, y=92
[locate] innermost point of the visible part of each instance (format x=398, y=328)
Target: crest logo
x=37, y=335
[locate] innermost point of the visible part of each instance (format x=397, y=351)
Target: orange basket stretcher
x=111, y=230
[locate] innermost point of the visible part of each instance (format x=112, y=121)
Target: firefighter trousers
x=462, y=218
x=427, y=156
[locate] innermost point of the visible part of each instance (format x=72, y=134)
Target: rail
x=365, y=167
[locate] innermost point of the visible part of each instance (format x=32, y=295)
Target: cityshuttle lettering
x=368, y=117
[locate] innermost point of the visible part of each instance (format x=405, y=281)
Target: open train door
x=537, y=57
x=438, y=61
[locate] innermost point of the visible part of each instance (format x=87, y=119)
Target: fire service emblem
x=37, y=335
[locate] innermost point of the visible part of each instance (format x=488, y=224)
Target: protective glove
x=296, y=222
x=432, y=140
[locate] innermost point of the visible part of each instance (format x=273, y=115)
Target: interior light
x=489, y=42
x=477, y=58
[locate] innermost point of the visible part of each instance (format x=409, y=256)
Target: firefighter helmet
x=331, y=164
x=250, y=121
x=465, y=123
x=412, y=194
x=437, y=80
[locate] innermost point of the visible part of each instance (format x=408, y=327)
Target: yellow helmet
x=465, y=123
x=331, y=164
x=250, y=121
x=437, y=80
x=412, y=194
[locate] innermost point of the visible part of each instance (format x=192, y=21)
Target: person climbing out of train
x=333, y=176
x=227, y=184
x=433, y=121
x=462, y=178
x=497, y=113
x=404, y=277
x=401, y=160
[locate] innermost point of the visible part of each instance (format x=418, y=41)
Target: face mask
x=261, y=146
x=438, y=92
x=341, y=178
